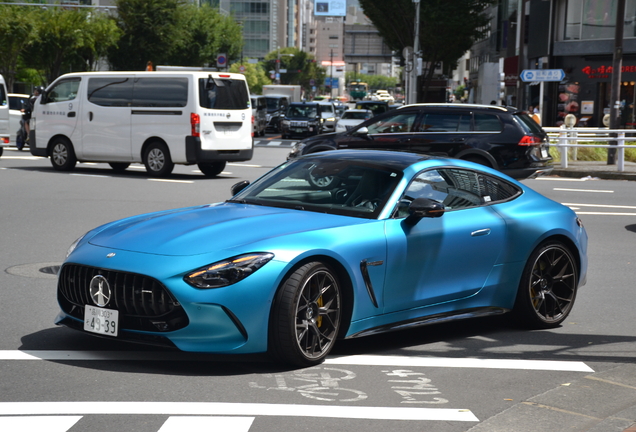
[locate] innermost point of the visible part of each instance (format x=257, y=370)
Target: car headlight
x=331, y=119
x=73, y=245
x=227, y=272
x=285, y=122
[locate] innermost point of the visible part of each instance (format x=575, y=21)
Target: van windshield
x=223, y=93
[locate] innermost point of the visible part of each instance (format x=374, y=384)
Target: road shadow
x=491, y=338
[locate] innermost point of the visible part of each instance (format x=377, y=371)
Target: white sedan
x=351, y=118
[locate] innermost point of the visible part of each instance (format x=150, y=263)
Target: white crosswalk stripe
x=207, y=424
x=38, y=423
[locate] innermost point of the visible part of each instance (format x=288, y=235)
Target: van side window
x=62, y=91
x=225, y=94
x=110, y=92
x=160, y=92
x=3, y=96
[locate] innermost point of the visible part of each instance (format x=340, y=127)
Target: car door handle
x=71, y=114
x=481, y=232
x=90, y=116
x=458, y=139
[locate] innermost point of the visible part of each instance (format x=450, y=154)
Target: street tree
x=301, y=67
x=202, y=34
x=447, y=28
x=148, y=33
x=16, y=33
x=60, y=35
x=254, y=74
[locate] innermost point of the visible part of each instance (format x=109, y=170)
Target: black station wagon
x=503, y=138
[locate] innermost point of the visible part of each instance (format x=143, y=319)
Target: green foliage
x=254, y=74
x=447, y=28
x=301, y=67
x=375, y=82
x=16, y=33
x=148, y=33
x=203, y=33
x=592, y=153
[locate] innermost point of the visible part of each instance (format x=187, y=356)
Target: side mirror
x=424, y=207
x=362, y=131
x=237, y=187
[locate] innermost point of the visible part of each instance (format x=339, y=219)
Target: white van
x=4, y=115
x=155, y=118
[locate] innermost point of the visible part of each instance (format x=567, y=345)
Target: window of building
x=596, y=19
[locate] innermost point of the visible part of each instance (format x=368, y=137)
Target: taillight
x=252, y=126
x=225, y=76
x=195, y=123
x=5, y=140
x=529, y=140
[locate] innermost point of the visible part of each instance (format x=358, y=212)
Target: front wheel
x=62, y=155
x=157, y=160
x=212, y=169
x=306, y=315
x=548, y=287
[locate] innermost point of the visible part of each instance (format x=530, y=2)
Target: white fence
x=565, y=139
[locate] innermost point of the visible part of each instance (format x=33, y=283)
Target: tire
x=62, y=155
x=548, y=287
x=306, y=316
x=212, y=169
x=1, y=150
x=157, y=160
x=119, y=166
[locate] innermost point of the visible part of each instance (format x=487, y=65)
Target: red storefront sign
x=605, y=71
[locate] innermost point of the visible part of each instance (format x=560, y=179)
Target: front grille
x=298, y=124
x=143, y=302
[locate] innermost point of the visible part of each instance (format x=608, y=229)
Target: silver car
x=329, y=115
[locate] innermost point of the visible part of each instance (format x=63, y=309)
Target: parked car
x=334, y=245
x=259, y=114
x=328, y=113
x=352, y=118
x=376, y=107
x=16, y=102
x=506, y=139
x=302, y=119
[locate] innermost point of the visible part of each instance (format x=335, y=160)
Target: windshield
x=336, y=186
x=303, y=111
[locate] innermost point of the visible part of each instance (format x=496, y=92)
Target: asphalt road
x=479, y=375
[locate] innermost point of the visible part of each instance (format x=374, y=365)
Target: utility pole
x=331, y=74
x=617, y=64
x=413, y=87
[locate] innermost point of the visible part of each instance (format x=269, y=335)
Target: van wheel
x=212, y=169
x=62, y=155
x=157, y=160
x=119, y=166
x=479, y=160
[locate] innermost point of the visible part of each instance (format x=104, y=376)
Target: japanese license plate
x=299, y=131
x=100, y=320
x=544, y=152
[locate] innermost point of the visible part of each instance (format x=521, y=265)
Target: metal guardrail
x=565, y=139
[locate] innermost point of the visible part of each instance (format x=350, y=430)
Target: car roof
x=462, y=106
x=394, y=160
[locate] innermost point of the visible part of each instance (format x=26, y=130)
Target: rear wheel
x=119, y=166
x=212, y=169
x=157, y=160
x=548, y=287
x=306, y=315
x=62, y=155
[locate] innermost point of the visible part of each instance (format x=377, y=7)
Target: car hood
x=204, y=229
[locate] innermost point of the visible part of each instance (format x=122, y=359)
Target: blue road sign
x=528, y=75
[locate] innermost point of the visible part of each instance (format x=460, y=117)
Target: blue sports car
x=338, y=244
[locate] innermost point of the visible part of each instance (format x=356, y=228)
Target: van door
x=56, y=114
x=106, y=119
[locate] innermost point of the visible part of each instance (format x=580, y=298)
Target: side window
x=110, y=92
x=62, y=91
x=455, y=188
x=162, y=93
x=3, y=96
x=223, y=93
x=444, y=122
x=496, y=190
x=396, y=123
x=487, y=123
